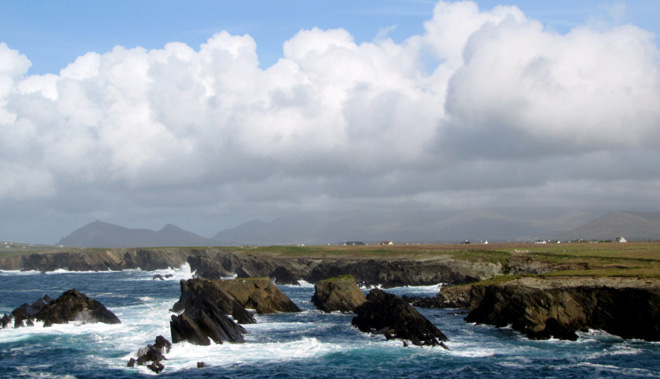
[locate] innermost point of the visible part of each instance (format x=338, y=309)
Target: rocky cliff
x=214, y=263
x=542, y=308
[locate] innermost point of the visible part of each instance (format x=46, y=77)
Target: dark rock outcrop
x=338, y=294
x=211, y=291
x=25, y=314
x=259, y=294
x=388, y=314
x=282, y=275
x=217, y=262
x=153, y=353
x=75, y=306
x=542, y=308
x=202, y=322
x=397, y=273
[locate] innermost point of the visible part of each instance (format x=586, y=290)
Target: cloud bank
x=485, y=108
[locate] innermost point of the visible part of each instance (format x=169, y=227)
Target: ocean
x=310, y=344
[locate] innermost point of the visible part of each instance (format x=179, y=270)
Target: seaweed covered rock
x=211, y=291
x=388, y=314
x=75, y=306
x=338, y=294
x=259, y=294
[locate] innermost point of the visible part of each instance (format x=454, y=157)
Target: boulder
x=211, y=291
x=153, y=353
x=258, y=293
x=542, y=308
x=71, y=306
x=75, y=306
x=282, y=275
x=388, y=314
x=202, y=322
x=338, y=294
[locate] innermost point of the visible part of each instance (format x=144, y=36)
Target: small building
x=621, y=240
x=389, y=243
x=353, y=243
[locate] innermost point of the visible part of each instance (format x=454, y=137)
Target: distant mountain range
x=336, y=227
x=630, y=225
x=101, y=234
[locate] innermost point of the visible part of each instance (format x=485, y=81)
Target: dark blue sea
x=310, y=344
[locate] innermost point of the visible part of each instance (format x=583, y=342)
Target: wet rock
x=24, y=314
x=75, y=306
x=203, y=322
x=152, y=353
x=388, y=314
x=338, y=294
x=158, y=276
x=211, y=290
x=259, y=294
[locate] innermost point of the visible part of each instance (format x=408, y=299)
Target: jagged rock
x=338, y=294
x=203, y=321
x=260, y=294
x=542, y=308
x=388, y=314
x=158, y=276
x=24, y=315
x=211, y=291
x=208, y=268
x=71, y=306
x=75, y=306
x=282, y=275
x=153, y=353
x=201, y=364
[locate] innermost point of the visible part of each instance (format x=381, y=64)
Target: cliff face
x=214, y=263
x=542, y=308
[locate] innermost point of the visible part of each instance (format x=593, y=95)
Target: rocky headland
x=215, y=263
x=543, y=308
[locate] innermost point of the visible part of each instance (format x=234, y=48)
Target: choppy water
x=308, y=344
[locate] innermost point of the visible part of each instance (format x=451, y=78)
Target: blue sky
x=207, y=114
x=52, y=34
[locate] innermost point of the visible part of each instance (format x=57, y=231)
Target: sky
x=208, y=114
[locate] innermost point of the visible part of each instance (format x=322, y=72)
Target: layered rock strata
x=259, y=294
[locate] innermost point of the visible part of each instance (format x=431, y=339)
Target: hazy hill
x=101, y=234
x=631, y=225
x=412, y=226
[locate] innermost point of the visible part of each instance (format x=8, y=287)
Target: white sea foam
x=305, y=284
